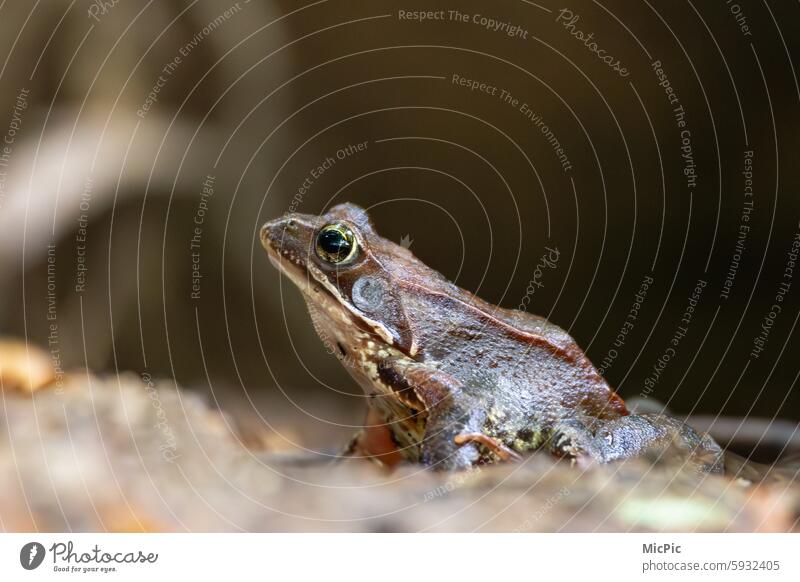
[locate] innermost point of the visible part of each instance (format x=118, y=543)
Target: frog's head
x=346, y=271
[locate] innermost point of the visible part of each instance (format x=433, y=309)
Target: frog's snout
x=266, y=237
x=289, y=237
x=275, y=233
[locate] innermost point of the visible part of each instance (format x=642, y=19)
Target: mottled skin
x=454, y=381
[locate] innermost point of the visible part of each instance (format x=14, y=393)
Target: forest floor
x=123, y=453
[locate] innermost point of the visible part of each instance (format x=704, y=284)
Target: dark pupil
x=335, y=244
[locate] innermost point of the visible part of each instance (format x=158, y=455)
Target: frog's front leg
x=575, y=439
x=448, y=444
x=453, y=437
x=492, y=444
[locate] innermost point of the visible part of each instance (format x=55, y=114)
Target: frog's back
x=553, y=363
x=521, y=363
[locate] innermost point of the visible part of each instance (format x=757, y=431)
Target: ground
x=126, y=453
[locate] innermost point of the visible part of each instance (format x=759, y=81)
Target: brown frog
x=453, y=381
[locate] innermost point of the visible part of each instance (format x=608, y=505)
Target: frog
x=451, y=381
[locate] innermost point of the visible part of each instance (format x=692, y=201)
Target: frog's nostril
x=291, y=226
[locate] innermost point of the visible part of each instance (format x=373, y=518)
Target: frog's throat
x=307, y=276
x=380, y=330
x=331, y=321
x=407, y=427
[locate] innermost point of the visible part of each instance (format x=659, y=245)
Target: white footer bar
x=388, y=557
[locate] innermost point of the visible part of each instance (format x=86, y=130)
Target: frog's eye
x=336, y=243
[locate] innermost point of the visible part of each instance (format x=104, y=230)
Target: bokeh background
x=127, y=123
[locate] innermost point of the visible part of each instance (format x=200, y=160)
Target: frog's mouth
x=286, y=261
x=296, y=273
x=313, y=290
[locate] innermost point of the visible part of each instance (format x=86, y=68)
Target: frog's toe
x=572, y=439
x=24, y=368
x=503, y=452
x=562, y=445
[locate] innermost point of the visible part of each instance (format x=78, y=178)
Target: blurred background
x=653, y=145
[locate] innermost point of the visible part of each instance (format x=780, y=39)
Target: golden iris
x=336, y=243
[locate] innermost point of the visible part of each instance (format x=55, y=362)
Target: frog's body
x=454, y=381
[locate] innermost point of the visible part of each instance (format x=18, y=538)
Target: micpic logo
x=31, y=555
